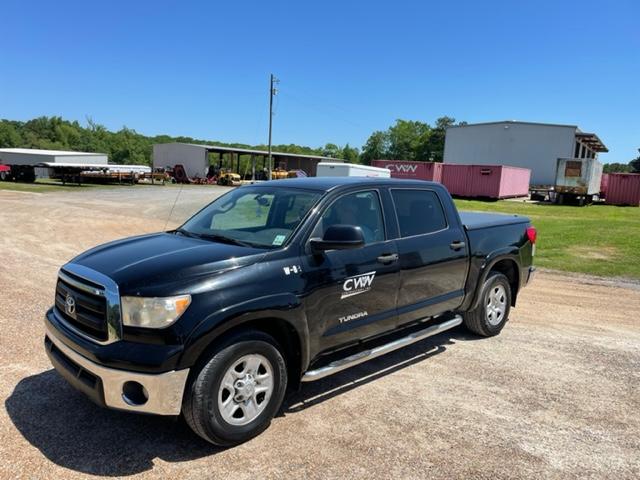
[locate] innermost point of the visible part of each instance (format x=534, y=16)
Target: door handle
x=457, y=245
x=388, y=258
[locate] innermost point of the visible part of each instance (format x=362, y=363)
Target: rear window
x=418, y=211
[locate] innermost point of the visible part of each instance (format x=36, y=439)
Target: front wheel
x=238, y=390
x=491, y=314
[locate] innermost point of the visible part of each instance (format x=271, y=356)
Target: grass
x=48, y=185
x=598, y=239
x=42, y=185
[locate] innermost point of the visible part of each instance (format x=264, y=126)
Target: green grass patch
x=597, y=239
x=49, y=185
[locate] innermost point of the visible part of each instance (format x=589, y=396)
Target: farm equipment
x=279, y=173
x=229, y=179
x=5, y=173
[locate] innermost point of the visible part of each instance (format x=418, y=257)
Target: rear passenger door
x=432, y=254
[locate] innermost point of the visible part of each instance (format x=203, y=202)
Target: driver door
x=353, y=292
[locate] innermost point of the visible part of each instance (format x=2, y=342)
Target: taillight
x=532, y=234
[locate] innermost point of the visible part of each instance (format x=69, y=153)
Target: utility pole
x=272, y=92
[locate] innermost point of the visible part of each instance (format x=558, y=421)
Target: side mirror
x=338, y=237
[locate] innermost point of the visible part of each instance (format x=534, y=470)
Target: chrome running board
x=361, y=357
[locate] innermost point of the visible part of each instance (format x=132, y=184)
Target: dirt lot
x=556, y=395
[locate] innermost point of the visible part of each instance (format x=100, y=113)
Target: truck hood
x=164, y=262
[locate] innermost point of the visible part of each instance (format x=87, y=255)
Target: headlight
x=153, y=312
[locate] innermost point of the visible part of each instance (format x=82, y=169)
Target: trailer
x=578, y=180
x=331, y=169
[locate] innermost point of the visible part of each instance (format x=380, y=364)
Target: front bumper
x=106, y=386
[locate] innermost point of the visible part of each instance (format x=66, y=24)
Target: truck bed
x=478, y=220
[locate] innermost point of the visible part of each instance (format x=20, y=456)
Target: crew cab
x=274, y=284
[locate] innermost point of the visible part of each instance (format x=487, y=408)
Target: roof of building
x=329, y=183
x=36, y=151
x=590, y=138
x=501, y=122
x=247, y=151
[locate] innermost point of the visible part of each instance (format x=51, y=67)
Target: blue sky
x=346, y=68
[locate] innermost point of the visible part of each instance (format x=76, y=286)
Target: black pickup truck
x=274, y=284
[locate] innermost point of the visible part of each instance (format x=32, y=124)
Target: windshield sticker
x=357, y=284
x=279, y=240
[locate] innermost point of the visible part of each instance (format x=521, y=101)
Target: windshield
x=252, y=216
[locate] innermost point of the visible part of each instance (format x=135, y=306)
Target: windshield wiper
x=222, y=239
x=215, y=237
x=182, y=231
x=186, y=233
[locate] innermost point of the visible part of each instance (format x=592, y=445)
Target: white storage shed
x=32, y=156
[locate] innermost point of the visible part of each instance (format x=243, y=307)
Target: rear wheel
x=491, y=314
x=238, y=390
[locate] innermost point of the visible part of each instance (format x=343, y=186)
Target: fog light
x=134, y=394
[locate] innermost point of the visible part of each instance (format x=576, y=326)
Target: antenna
x=172, y=207
x=272, y=92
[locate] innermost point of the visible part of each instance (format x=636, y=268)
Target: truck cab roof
x=330, y=183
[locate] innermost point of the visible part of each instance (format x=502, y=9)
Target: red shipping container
x=458, y=179
x=604, y=185
x=412, y=170
x=624, y=189
x=490, y=181
x=500, y=181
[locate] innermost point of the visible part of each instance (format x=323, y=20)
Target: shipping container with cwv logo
x=412, y=170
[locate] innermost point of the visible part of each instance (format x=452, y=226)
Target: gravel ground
x=556, y=395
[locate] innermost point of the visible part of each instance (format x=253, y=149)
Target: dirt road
x=556, y=395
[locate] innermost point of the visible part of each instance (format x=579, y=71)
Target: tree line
x=404, y=140
x=125, y=146
x=632, y=167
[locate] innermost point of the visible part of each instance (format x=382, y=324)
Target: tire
x=213, y=387
x=3, y=176
x=492, y=313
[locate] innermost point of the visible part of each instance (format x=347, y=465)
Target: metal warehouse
x=28, y=156
x=536, y=146
x=195, y=158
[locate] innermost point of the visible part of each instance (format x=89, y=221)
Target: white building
x=536, y=146
x=32, y=156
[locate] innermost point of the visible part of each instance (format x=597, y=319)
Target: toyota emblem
x=70, y=305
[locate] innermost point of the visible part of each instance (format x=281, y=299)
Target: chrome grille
x=88, y=312
x=88, y=302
